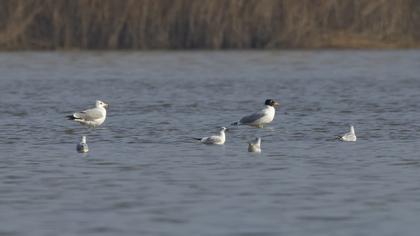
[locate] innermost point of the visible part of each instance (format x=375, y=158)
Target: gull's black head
x=271, y=102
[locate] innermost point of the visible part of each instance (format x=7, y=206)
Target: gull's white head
x=255, y=145
x=101, y=104
x=82, y=147
x=351, y=129
x=258, y=141
x=223, y=129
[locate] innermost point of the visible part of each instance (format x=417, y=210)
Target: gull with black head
x=260, y=118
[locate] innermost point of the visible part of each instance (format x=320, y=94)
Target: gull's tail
x=199, y=139
x=71, y=117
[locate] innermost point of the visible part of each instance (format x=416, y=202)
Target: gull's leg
x=90, y=128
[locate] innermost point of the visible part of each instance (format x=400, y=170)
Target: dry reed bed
x=208, y=24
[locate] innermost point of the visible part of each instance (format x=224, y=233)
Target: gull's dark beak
x=106, y=105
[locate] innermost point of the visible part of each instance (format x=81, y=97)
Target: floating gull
x=350, y=136
x=91, y=117
x=82, y=147
x=260, y=118
x=255, y=145
x=215, y=139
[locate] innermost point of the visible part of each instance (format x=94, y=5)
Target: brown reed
x=208, y=24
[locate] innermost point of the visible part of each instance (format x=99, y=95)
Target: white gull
x=91, y=117
x=215, y=139
x=350, y=136
x=82, y=147
x=255, y=145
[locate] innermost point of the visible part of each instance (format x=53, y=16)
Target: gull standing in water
x=350, y=136
x=92, y=117
x=215, y=139
x=82, y=147
x=260, y=118
x=255, y=145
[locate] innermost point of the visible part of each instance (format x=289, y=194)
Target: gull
x=255, y=145
x=260, y=118
x=350, y=136
x=82, y=147
x=215, y=139
x=91, y=117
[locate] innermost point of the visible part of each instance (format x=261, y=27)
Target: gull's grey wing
x=252, y=118
x=212, y=139
x=89, y=115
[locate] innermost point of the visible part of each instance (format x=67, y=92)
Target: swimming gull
x=82, y=147
x=215, y=139
x=350, y=136
x=260, y=118
x=92, y=117
x=255, y=145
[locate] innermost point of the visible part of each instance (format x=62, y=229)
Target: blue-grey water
x=145, y=175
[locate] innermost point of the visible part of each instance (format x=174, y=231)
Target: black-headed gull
x=215, y=139
x=255, y=145
x=92, y=117
x=260, y=118
x=350, y=136
x=82, y=147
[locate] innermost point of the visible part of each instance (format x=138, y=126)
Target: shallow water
x=145, y=175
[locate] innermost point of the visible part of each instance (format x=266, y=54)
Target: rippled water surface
x=145, y=175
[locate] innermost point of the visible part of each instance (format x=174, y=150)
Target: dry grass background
x=208, y=24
